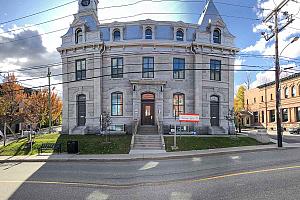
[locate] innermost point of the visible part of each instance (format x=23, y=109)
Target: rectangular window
x=254, y=100
x=117, y=127
x=247, y=102
x=272, y=115
x=148, y=67
x=298, y=114
x=80, y=69
x=262, y=98
x=215, y=70
x=178, y=68
x=178, y=104
x=285, y=115
x=117, y=67
x=262, y=117
x=271, y=96
x=255, y=116
x=117, y=104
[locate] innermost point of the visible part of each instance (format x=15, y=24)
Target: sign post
x=174, y=147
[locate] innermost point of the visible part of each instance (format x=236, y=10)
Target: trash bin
x=72, y=147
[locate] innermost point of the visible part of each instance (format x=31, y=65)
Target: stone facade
x=260, y=102
x=99, y=44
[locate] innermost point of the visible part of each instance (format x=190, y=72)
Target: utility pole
x=49, y=100
x=275, y=32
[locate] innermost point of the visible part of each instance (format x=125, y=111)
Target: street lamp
x=294, y=40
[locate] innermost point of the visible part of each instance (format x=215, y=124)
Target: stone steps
x=147, y=138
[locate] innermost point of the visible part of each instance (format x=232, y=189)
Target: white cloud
x=238, y=63
x=268, y=48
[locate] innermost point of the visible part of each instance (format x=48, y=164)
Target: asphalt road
x=288, y=138
x=258, y=175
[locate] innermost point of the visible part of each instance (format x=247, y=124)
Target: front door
x=214, y=111
x=147, y=113
x=81, y=110
x=148, y=109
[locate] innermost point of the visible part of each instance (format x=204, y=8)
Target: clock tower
x=88, y=6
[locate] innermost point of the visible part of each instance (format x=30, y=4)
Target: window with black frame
x=179, y=35
x=179, y=68
x=215, y=70
x=255, y=116
x=117, y=104
x=117, y=67
x=217, y=36
x=272, y=115
x=78, y=36
x=178, y=104
x=80, y=69
x=262, y=117
x=297, y=114
x=116, y=35
x=148, y=34
x=148, y=67
x=285, y=115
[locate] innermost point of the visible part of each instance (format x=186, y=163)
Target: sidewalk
x=135, y=157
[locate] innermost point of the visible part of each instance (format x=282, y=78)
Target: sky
x=243, y=19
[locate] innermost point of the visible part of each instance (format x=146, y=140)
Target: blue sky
x=42, y=50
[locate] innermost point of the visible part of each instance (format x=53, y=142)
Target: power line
x=136, y=53
x=124, y=17
x=139, y=64
x=138, y=72
x=124, y=5
x=33, y=14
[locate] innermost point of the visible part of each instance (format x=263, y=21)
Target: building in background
x=147, y=72
x=260, y=104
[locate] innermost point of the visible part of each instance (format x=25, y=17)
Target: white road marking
x=235, y=157
x=181, y=196
x=197, y=159
x=96, y=195
x=149, y=165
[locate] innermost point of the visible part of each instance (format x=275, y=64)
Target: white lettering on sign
x=189, y=118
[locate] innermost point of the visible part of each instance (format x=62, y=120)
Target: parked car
x=294, y=130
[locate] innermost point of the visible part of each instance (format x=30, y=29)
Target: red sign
x=189, y=118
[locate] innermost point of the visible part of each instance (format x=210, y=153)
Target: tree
x=105, y=122
x=37, y=108
x=248, y=80
x=239, y=100
x=11, y=101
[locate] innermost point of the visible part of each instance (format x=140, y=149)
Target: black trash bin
x=72, y=147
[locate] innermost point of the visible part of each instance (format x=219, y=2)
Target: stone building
x=260, y=102
x=146, y=71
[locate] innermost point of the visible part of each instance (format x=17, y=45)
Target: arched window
x=81, y=110
x=148, y=34
x=217, y=36
x=178, y=104
x=286, y=92
x=293, y=91
x=117, y=35
x=179, y=35
x=78, y=36
x=117, y=104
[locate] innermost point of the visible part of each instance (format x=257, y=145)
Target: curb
x=144, y=157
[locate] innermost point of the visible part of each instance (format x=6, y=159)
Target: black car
x=294, y=130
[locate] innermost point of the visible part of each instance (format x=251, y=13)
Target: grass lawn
x=88, y=144
x=200, y=143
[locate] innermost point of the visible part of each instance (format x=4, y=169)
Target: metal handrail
x=135, y=129
x=159, y=128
